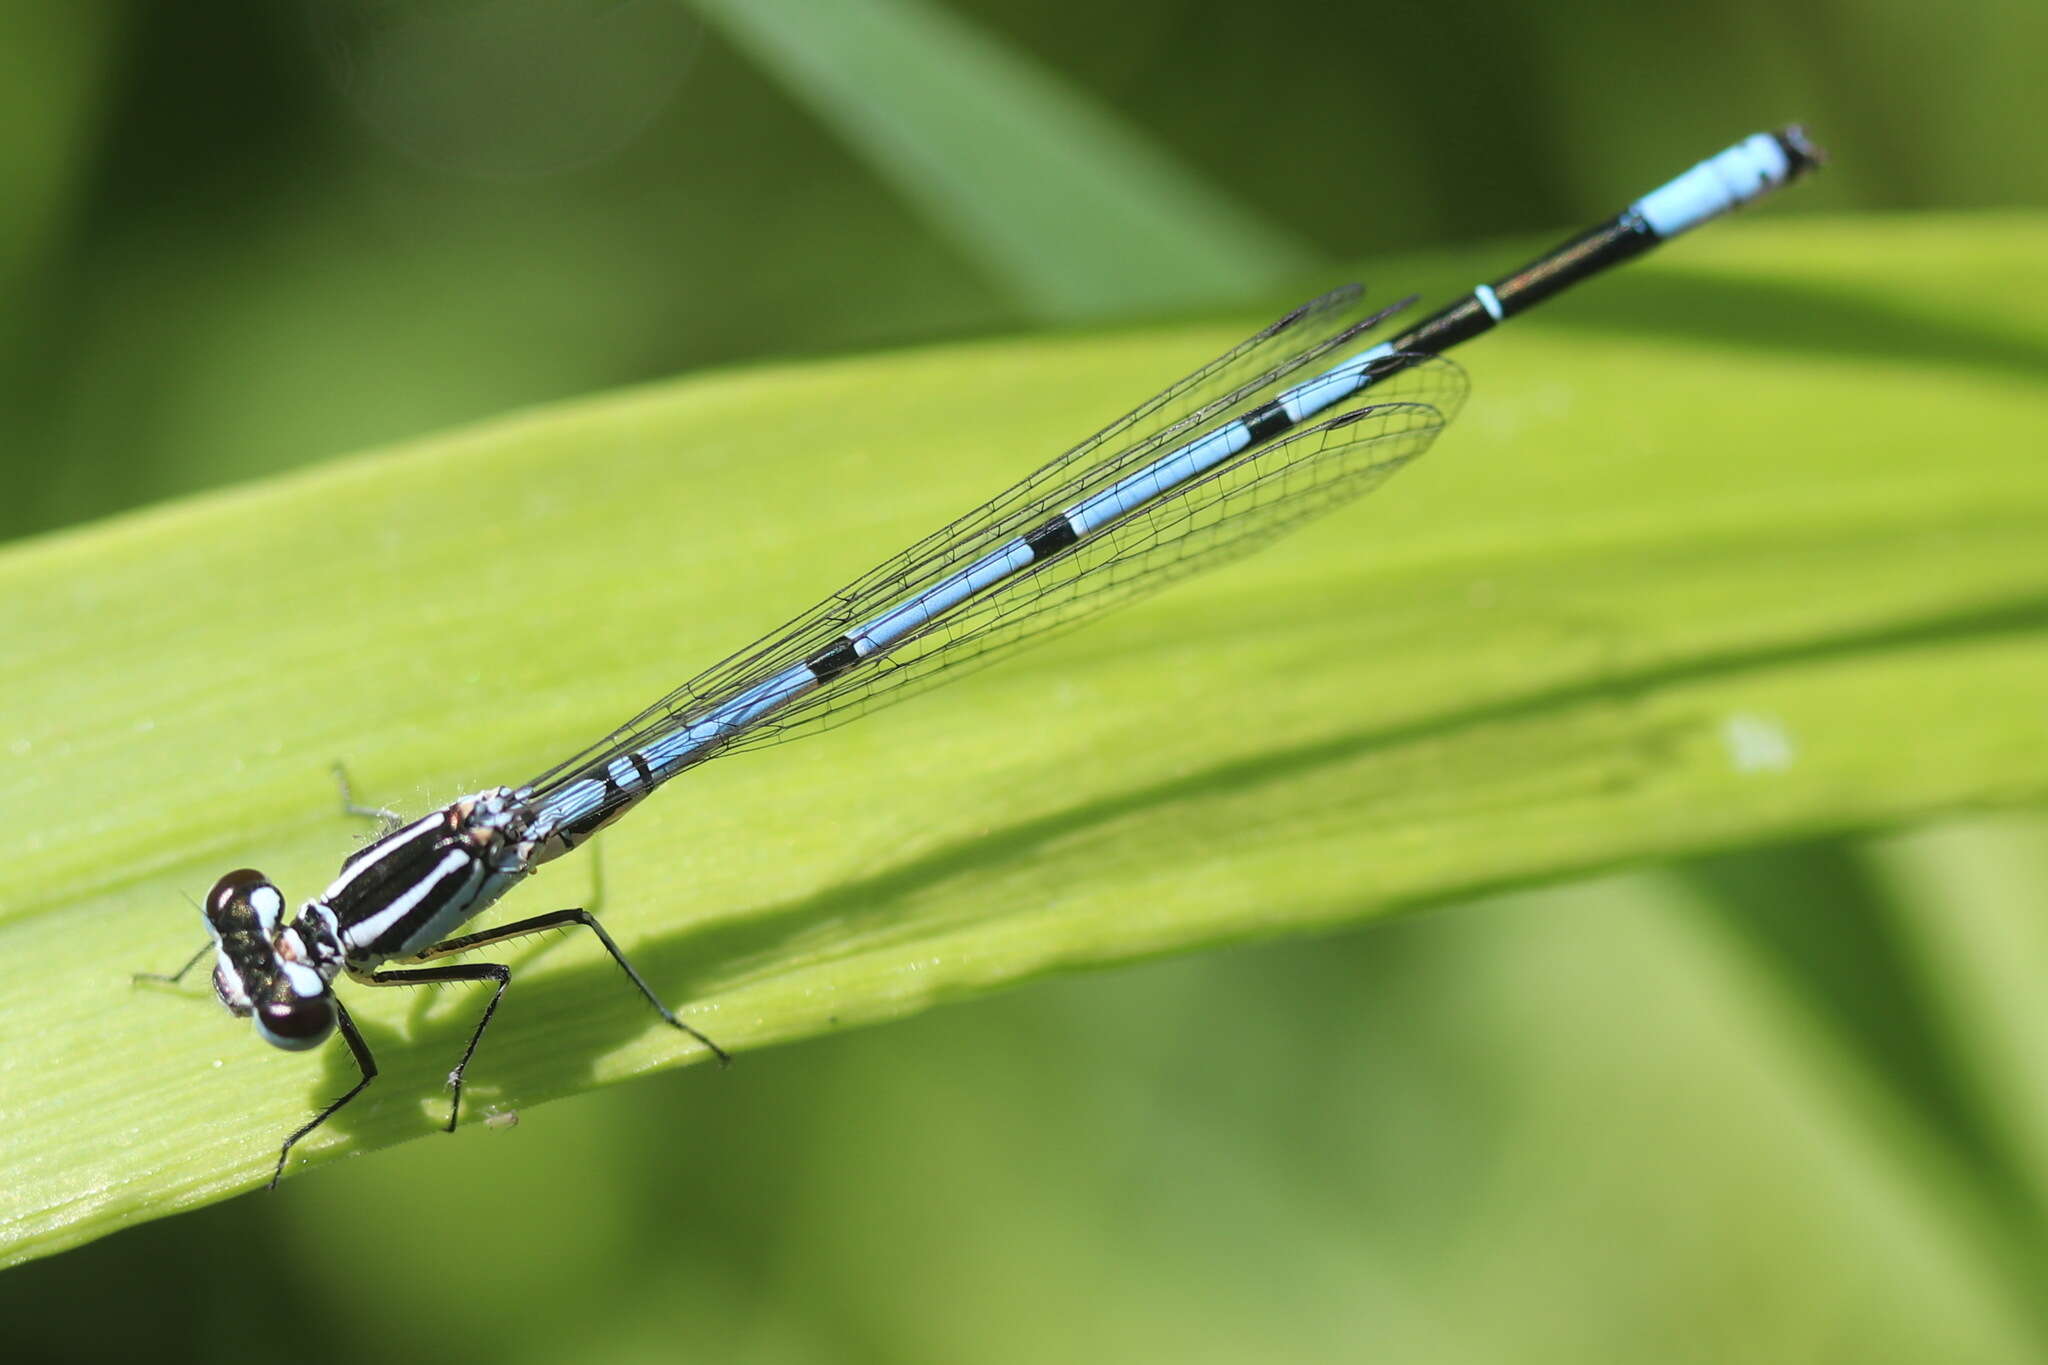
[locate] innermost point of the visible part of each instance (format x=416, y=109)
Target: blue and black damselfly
x=1212, y=468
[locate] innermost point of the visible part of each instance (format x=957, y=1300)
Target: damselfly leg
x=365, y=1063
x=387, y=819
x=173, y=978
x=565, y=919
x=459, y=973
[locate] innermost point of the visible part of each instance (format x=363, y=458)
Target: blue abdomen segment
x=941, y=597
x=1155, y=480
x=587, y=803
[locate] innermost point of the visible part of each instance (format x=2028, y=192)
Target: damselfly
x=1214, y=467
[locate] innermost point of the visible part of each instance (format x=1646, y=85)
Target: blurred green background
x=1731, y=1110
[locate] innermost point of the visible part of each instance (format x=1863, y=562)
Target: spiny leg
x=383, y=815
x=365, y=1063
x=173, y=978
x=562, y=919
x=430, y=976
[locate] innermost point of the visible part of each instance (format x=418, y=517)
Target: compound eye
x=233, y=887
x=297, y=1022
x=228, y=987
x=241, y=894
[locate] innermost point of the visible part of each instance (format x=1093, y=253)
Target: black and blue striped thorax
x=407, y=890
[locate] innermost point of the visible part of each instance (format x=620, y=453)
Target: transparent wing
x=1234, y=510
x=1203, y=400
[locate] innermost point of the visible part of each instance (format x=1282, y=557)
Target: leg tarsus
x=173, y=978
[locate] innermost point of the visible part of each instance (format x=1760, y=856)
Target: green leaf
x=1653, y=595
x=1077, y=213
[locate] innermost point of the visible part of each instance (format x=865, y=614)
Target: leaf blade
x=1647, y=599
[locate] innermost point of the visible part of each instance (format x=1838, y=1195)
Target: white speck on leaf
x=1757, y=744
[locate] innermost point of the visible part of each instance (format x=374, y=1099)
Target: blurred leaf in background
x=1782, y=1104
x=243, y=236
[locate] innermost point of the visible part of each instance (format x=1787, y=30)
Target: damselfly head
x=262, y=970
